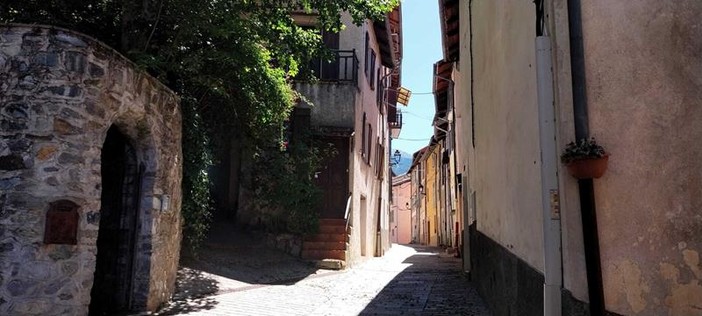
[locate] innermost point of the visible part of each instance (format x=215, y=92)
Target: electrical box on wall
x=61, y=225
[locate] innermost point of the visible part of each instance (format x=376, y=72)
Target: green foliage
x=230, y=61
x=196, y=208
x=286, y=188
x=583, y=149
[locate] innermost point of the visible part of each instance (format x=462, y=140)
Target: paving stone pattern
x=408, y=280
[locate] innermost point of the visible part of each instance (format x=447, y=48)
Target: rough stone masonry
x=60, y=92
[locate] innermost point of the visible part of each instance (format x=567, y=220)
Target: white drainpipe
x=549, y=179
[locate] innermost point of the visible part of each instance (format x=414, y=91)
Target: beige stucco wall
x=464, y=150
x=574, y=277
x=644, y=87
x=506, y=176
x=415, y=204
x=431, y=188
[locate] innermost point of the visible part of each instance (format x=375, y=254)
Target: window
x=366, y=59
x=379, y=159
x=369, y=143
x=372, y=70
x=379, y=92
x=363, y=138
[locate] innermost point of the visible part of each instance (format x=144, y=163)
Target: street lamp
x=396, y=157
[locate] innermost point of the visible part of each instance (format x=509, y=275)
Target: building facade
x=400, y=211
x=353, y=107
x=527, y=80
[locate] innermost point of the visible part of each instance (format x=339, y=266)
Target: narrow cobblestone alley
x=408, y=280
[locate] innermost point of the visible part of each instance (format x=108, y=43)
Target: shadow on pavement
x=231, y=260
x=431, y=284
x=191, y=293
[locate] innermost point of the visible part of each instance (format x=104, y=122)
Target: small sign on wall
x=61, y=223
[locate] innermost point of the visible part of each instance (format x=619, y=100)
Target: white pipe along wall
x=549, y=178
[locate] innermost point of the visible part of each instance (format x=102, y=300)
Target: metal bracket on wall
x=555, y=205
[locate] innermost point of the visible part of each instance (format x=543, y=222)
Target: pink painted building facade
x=400, y=210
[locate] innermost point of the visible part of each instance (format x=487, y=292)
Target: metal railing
x=347, y=214
x=343, y=67
x=398, y=120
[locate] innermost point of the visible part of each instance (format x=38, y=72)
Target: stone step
x=332, y=229
x=328, y=237
x=324, y=245
x=332, y=222
x=316, y=254
x=331, y=264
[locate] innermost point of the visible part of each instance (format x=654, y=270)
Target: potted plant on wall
x=585, y=159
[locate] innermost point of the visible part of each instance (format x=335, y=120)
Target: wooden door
x=330, y=69
x=333, y=180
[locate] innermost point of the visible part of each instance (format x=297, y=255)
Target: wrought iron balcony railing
x=397, y=123
x=343, y=67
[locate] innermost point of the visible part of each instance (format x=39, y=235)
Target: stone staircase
x=329, y=247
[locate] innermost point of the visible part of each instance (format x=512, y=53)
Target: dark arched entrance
x=113, y=282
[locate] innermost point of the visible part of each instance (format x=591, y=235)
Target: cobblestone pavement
x=408, y=280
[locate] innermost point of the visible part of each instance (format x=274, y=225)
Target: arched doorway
x=113, y=281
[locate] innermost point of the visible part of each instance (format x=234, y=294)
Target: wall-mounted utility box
x=61, y=223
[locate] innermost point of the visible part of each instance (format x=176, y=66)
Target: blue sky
x=421, y=49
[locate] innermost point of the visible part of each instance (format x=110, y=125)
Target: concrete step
x=323, y=254
x=331, y=264
x=332, y=222
x=324, y=245
x=328, y=237
x=332, y=229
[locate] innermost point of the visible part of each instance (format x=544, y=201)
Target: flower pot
x=588, y=168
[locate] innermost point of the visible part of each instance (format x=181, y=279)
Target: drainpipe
x=587, y=194
x=549, y=178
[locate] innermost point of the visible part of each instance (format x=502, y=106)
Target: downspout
x=586, y=190
x=551, y=215
x=549, y=178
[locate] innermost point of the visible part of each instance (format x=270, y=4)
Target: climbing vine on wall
x=197, y=159
x=285, y=188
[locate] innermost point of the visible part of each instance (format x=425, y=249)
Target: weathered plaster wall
x=332, y=102
x=465, y=159
x=573, y=255
x=644, y=86
x=59, y=93
x=506, y=176
x=416, y=203
x=432, y=196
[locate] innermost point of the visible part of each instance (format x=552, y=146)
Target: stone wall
x=59, y=93
x=288, y=243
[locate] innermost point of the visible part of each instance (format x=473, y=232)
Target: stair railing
x=348, y=212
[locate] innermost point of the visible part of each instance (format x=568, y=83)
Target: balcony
x=332, y=98
x=395, y=124
x=343, y=67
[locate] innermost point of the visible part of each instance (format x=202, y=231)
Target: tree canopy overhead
x=229, y=60
x=238, y=51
